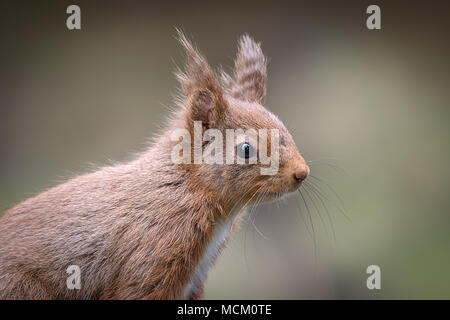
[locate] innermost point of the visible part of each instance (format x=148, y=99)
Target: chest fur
x=220, y=235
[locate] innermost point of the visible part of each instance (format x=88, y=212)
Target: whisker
x=243, y=207
x=253, y=221
x=316, y=208
x=335, y=166
x=324, y=160
x=246, y=229
x=244, y=195
x=341, y=208
x=301, y=218
x=329, y=187
x=330, y=220
x=311, y=221
x=262, y=193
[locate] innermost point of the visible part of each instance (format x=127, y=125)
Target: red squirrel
x=151, y=228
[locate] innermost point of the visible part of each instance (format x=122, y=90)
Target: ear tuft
x=250, y=72
x=205, y=100
x=197, y=74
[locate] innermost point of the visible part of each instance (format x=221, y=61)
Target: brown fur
x=139, y=229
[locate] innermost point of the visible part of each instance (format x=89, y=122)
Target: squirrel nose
x=301, y=173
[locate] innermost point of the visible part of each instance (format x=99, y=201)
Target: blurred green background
x=369, y=108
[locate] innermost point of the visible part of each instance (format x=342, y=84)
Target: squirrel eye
x=245, y=150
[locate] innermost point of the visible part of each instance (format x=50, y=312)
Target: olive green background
x=369, y=108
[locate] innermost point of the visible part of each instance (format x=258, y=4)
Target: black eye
x=245, y=150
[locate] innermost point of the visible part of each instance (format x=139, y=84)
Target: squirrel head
x=236, y=102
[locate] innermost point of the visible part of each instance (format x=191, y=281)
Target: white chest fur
x=218, y=239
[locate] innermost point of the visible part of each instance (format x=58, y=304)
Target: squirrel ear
x=204, y=106
x=206, y=102
x=250, y=72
